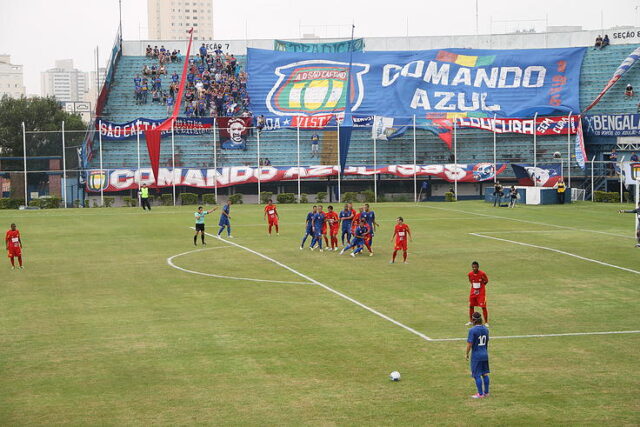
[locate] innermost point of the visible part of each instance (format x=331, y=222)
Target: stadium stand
x=473, y=145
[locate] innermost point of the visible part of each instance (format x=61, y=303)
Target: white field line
x=557, y=251
x=322, y=285
x=171, y=263
x=569, y=334
x=530, y=222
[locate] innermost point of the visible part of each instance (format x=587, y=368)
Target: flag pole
x=173, y=164
x=620, y=166
x=298, y=155
x=495, y=154
x=592, y=178
x=101, y=170
x=138, y=154
x=415, y=164
x=339, y=163
x=64, y=169
x=24, y=158
x=535, y=143
x=259, y=168
x=455, y=158
x=375, y=168
x=569, y=152
x=215, y=161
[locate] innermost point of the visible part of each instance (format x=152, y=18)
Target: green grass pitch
x=99, y=329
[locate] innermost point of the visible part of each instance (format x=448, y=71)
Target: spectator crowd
x=215, y=84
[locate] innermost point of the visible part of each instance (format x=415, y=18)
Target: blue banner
x=356, y=45
x=507, y=83
x=182, y=126
x=612, y=125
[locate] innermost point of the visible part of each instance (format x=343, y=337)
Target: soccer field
x=118, y=319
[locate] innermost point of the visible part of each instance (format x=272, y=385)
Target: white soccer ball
x=557, y=155
x=394, y=376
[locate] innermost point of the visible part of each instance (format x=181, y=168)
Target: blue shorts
x=309, y=231
x=357, y=242
x=479, y=368
x=223, y=221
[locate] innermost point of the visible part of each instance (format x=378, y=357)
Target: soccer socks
x=404, y=256
x=485, y=313
x=228, y=230
x=471, y=311
x=313, y=241
x=486, y=384
x=220, y=231
x=13, y=263
x=195, y=239
x=304, y=239
x=358, y=250
x=277, y=230
x=202, y=238
x=20, y=260
x=326, y=241
x=270, y=226
x=478, y=380
x=394, y=256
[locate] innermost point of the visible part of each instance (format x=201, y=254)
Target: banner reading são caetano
x=507, y=83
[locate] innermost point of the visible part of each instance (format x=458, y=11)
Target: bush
x=236, y=199
x=131, y=202
x=189, y=199
x=286, y=198
x=35, y=203
x=350, y=197
x=167, y=199
x=208, y=199
x=265, y=196
x=76, y=203
x=304, y=198
x=51, y=202
x=606, y=197
x=7, y=203
x=626, y=197
x=321, y=196
x=369, y=196
x=86, y=203
x=108, y=201
x=400, y=198
x=449, y=197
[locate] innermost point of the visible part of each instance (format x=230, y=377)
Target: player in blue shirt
x=318, y=225
x=308, y=226
x=478, y=344
x=346, y=217
x=225, y=218
x=360, y=235
x=370, y=217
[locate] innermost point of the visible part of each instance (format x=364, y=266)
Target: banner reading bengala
x=507, y=83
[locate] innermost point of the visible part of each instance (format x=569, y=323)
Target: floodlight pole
x=173, y=163
x=455, y=158
x=535, y=143
x=375, y=168
x=64, y=169
x=138, y=179
x=339, y=163
x=24, y=158
x=620, y=166
x=259, y=167
x=593, y=189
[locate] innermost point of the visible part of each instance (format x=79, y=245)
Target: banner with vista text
x=127, y=179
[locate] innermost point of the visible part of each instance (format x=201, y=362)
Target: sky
x=37, y=32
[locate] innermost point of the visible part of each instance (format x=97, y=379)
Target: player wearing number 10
x=478, y=344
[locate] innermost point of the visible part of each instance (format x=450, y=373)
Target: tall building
x=11, y=78
x=64, y=82
x=170, y=19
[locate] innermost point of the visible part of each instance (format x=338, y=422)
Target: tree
x=38, y=114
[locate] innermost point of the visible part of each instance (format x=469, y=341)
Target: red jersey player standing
x=334, y=224
x=272, y=212
x=14, y=246
x=478, y=296
x=401, y=233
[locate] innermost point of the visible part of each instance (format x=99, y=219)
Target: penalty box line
x=606, y=264
x=328, y=288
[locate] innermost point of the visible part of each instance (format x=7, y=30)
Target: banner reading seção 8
x=508, y=83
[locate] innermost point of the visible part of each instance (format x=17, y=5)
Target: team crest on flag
x=315, y=87
x=97, y=180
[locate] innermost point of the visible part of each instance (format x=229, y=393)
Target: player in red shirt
x=271, y=211
x=14, y=246
x=477, y=296
x=355, y=223
x=334, y=224
x=401, y=233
